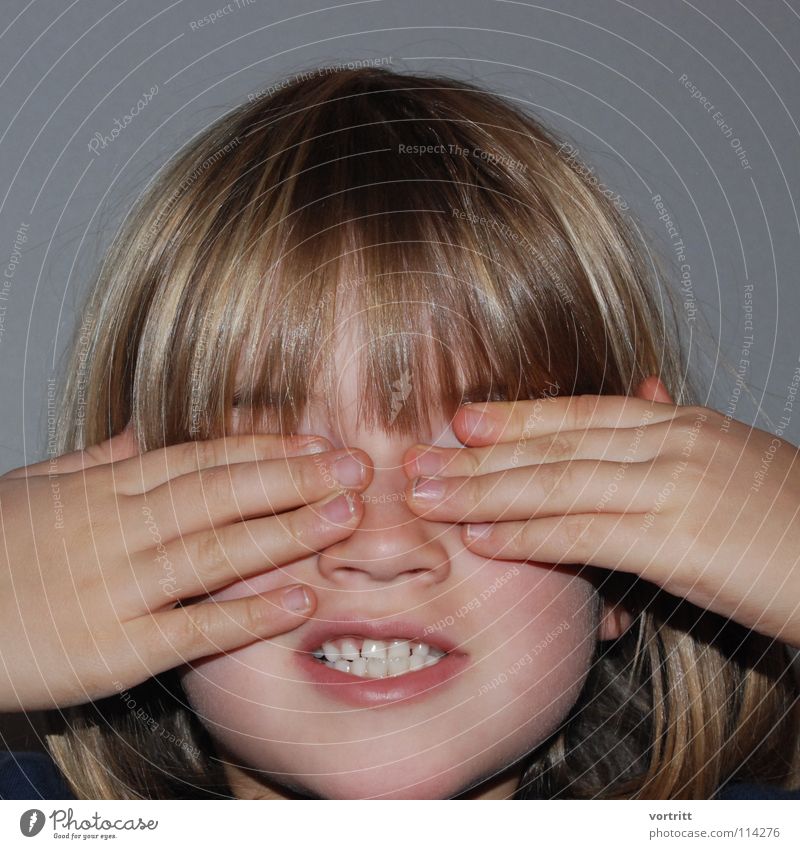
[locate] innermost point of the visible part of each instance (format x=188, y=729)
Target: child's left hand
x=704, y=506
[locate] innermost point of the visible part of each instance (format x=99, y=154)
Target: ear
x=652, y=389
x=614, y=621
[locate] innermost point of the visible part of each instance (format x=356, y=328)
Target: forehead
x=343, y=391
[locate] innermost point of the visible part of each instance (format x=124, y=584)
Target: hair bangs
x=418, y=296
x=387, y=239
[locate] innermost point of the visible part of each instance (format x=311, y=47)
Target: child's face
x=525, y=633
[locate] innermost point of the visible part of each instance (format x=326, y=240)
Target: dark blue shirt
x=31, y=775
x=34, y=775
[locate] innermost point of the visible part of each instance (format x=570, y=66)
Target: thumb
x=652, y=389
x=119, y=447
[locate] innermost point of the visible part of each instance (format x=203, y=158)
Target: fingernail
x=348, y=470
x=338, y=508
x=480, y=530
x=476, y=423
x=296, y=599
x=430, y=462
x=428, y=489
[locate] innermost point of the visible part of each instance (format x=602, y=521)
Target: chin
x=386, y=784
x=436, y=769
x=401, y=787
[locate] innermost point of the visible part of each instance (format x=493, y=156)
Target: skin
x=88, y=589
x=281, y=738
x=97, y=631
x=540, y=461
x=707, y=507
x=264, y=716
x=97, y=614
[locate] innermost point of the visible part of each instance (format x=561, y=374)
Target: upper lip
x=321, y=630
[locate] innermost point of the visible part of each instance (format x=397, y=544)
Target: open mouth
x=365, y=657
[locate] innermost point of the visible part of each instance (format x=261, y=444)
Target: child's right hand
x=93, y=560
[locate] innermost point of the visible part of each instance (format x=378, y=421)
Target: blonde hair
x=485, y=262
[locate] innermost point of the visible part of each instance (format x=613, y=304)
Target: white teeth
x=377, y=658
x=359, y=667
x=377, y=668
x=331, y=652
x=372, y=648
x=397, y=649
x=349, y=649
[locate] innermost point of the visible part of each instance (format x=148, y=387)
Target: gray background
x=608, y=74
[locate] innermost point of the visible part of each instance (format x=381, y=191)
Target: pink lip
x=373, y=692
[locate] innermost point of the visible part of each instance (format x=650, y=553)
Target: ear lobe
x=614, y=622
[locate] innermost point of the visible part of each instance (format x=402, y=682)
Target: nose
x=391, y=544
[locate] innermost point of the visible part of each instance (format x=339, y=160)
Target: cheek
x=539, y=625
x=529, y=630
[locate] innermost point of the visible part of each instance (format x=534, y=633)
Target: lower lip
x=373, y=692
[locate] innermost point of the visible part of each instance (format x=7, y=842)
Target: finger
x=118, y=447
x=504, y=421
x=153, y=468
x=222, y=494
x=621, y=444
x=607, y=540
x=164, y=640
x=206, y=561
x=550, y=489
x=653, y=389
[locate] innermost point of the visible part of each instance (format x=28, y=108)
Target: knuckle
x=546, y=478
x=306, y=525
x=297, y=524
x=197, y=627
x=295, y=441
x=480, y=489
x=519, y=414
x=579, y=411
x=572, y=531
x=215, y=485
x=204, y=452
x=209, y=561
x=310, y=474
x=197, y=454
x=525, y=415
x=258, y=615
x=472, y=463
x=557, y=447
x=523, y=536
